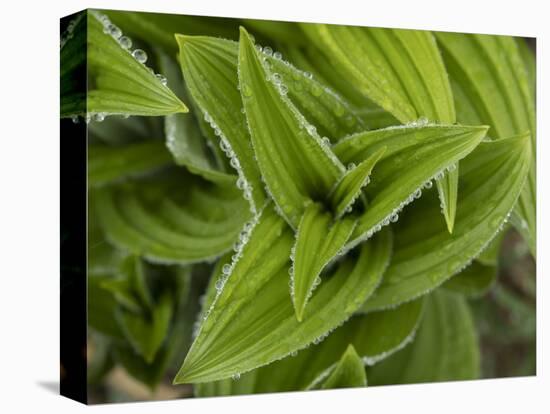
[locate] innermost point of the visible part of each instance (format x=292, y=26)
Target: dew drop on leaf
x=162, y=79
x=316, y=90
x=140, y=55
x=98, y=117
x=246, y=90
x=125, y=42
x=114, y=31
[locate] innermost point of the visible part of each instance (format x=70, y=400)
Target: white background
x=29, y=205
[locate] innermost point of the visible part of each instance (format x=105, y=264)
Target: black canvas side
x=73, y=202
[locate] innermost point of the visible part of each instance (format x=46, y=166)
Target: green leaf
x=103, y=258
x=209, y=67
x=311, y=60
x=252, y=321
x=375, y=336
x=296, y=165
x=109, y=163
x=492, y=86
x=73, y=85
x=490, y=256
x=178, y=339
x=445, y=347
x=183, y=135
x=146, y=336
x=286, y=32
x=447, y=188
x=528, y=57
x=159, y=28
x=400, y=70
x=318, y=241
x=101, y=307
x=414, y=156
x=425, y=255
x=129, y=287
x=348, y=189
x=171, y=217
x=348, y=372
x=118, y=131
x=117, y=83
x=474, y=281
x=331, y=114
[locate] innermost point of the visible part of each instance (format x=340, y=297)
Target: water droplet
x=311, y=129
x=234, y=162
x=246, y=90
x=140, y=55
x=276, y=78
x=162, y=79
x=351, y=166
x=422, y=121
x=268, y=51
x=316, y=90
x=236, y=377
x=115, y=31
x=278, y=55
x=241, y=183
x=418, y=193
x=125, y=42
x=224, y=145
x=74, y=118
x=394, y=217
x=428, y=184
x=226, y=269
x=326, y=140
x=293, y=353
x=258, y=48
x=316, y=282
x=451, y=167
x=308, y=75
x=98, y=116
x=283, y=89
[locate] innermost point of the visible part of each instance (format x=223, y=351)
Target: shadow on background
x=51, y=386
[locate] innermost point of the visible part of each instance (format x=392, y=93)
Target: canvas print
x=253, y=206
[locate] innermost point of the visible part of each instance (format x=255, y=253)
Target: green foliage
x=280, y=231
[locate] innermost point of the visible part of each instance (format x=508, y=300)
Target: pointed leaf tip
x=348, y=189
x=297, y=165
